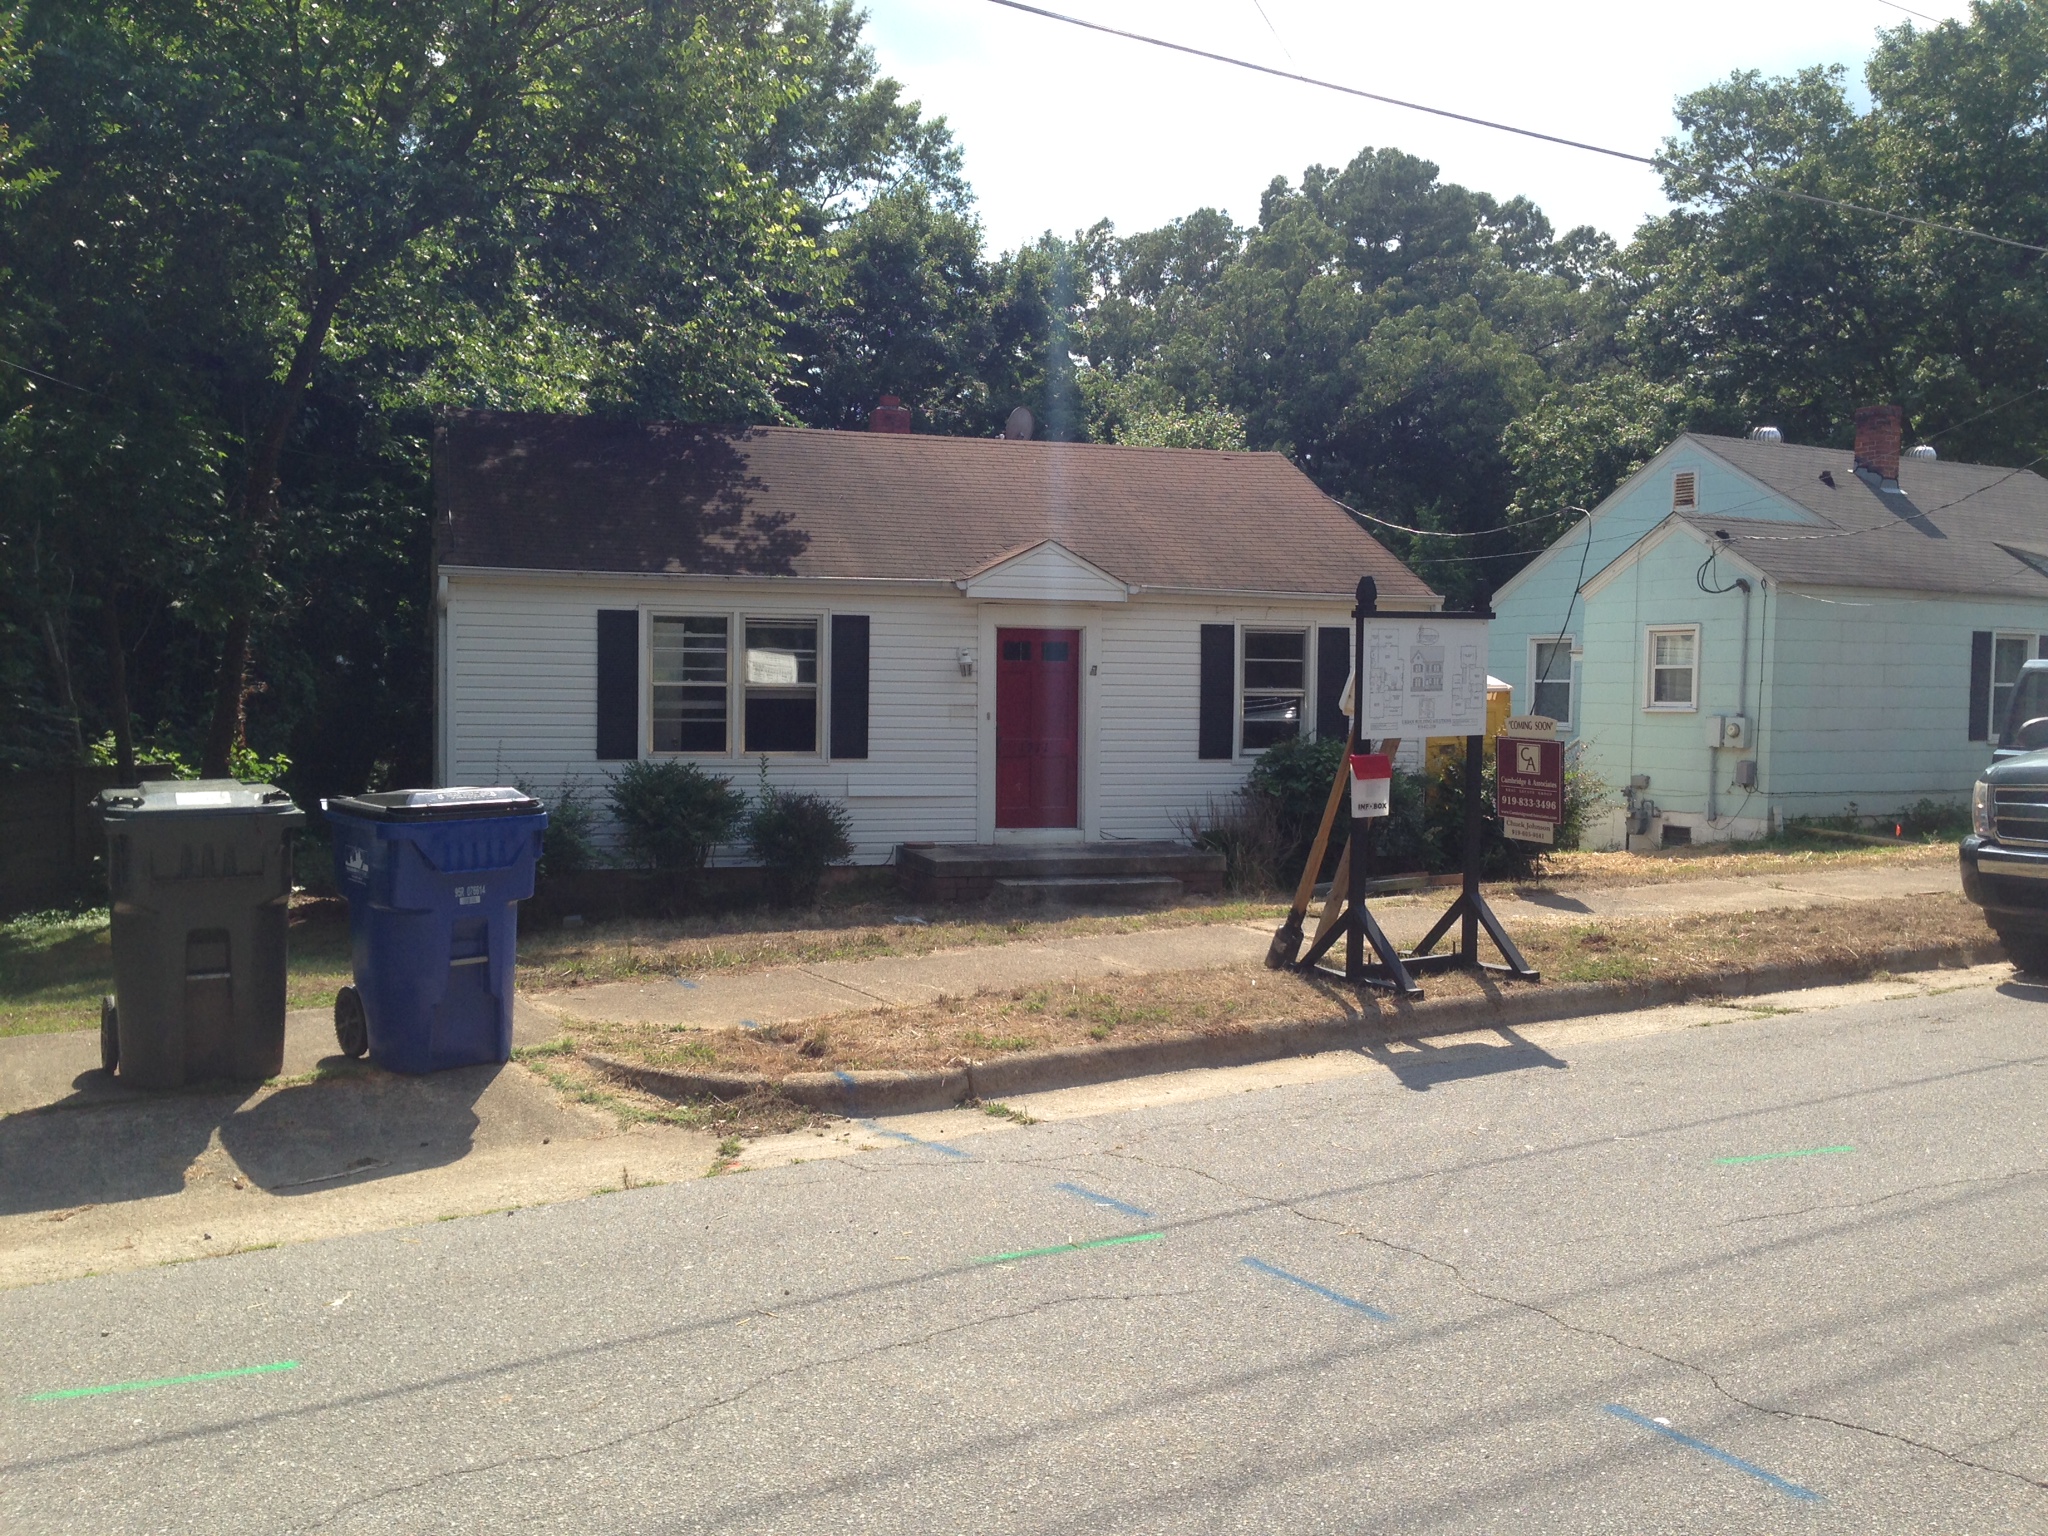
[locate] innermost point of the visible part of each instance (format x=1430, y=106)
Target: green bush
x=797, y=837
x=671, y=813
x=570, y=842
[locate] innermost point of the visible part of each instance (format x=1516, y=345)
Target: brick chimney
x=1880, y=430
x=892, y=415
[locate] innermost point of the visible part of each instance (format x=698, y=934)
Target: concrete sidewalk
x=794, y=994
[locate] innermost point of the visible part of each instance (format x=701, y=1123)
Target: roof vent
x=892, y=415
x=1766, y=435
x=1685, y=491
x=1922, y=451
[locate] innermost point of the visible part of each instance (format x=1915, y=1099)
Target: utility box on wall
x=1730, y=731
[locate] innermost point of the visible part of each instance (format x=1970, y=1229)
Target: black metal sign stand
x=1470, y=912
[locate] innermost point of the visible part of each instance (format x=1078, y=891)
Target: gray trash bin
x=198, y=876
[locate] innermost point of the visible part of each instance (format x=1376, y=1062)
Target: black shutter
x=849, y=685
x=1218, y=736
x=2041, y=647
x=618, y=684
x=1333, y=665
x=1980, y=685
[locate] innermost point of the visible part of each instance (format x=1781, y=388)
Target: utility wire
x=1485, y=122
x=1327, y=85
x=2015, y=400
x=1894, y=4
x=1897, y=522
x=1261, y=9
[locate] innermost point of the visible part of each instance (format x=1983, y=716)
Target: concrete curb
x=873, y=1093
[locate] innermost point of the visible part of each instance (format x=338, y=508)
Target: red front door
x=1038, y=727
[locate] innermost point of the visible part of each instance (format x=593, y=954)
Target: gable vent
x=1685, y=491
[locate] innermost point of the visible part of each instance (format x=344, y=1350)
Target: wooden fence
x=50, y=837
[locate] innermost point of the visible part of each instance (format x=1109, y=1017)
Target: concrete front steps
x=1020, y=875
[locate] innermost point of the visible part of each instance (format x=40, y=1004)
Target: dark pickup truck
x=2005, y=857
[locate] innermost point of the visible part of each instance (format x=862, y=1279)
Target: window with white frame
x=691, y=678
x=1550, y=678
x=781, y=685
x=1275, y=686
x=2008, y=654
x=1673, y=657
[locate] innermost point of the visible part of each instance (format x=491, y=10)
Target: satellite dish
x=1020, y=426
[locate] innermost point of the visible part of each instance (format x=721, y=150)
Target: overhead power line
x=1326, y=85
x=1482, y=122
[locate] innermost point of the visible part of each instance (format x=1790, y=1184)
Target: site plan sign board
x=1529, y=779
x=1424, y=676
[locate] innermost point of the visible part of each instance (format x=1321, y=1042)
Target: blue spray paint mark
x=684, y=981
x=1094, y=1199
x=915, y=1141
x=749, y=1024
x=1718, y=1454
x=1321, y=1290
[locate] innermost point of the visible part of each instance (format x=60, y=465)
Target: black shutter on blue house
x=1333, y=665
x=618, y=684
x=849, y=685
x=1218, y=734
x=1980, y=685
x=2041, y=647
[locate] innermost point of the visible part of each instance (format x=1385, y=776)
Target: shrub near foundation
x=797, y=837
x=671, y=813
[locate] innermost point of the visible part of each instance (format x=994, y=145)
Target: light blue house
x=1747, y=630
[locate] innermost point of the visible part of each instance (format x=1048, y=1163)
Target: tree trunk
x=61, y=665
x=117, y=687
x=259, y=508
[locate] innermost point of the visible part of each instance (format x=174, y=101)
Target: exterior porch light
x=967, y=663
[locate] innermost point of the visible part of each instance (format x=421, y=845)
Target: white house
x=969, y=640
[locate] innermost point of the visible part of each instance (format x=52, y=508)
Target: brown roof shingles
x=579, y=493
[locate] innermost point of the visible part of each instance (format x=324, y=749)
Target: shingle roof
x=578, y=493
x=1949, y=528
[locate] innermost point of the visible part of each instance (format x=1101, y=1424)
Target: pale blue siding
x=1854, y=697
x=1537, y=600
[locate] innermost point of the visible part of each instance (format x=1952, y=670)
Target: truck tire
x=2027, y=951
x=351, y=1025
x=110, y=1035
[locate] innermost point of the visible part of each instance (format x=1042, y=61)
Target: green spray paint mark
x=1100, y=1242
x=1765, y=1157
x=163, y=1381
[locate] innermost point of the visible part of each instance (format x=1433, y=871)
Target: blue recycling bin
x=434, y=878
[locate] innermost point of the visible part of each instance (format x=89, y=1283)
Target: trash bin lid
x=194, y=797
x=435, y=804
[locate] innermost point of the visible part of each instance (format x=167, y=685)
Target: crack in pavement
x=698, y=1410
x=1471, y=1287
x=1898, y=1194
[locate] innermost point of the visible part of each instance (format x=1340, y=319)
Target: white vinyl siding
x=521, y=696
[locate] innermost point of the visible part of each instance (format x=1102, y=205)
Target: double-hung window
x=1550, y=678
x=1275, y=686
x=781, y=685
x=691, y=678
x=1674, y=667
x=2008, y=654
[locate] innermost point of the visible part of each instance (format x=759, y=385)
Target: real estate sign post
x=1529, y=779
x=1423, y=673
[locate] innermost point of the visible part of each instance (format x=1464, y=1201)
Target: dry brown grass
x=956, y=1032
x=1721, y=862
x=756, y=941
x=555, y=958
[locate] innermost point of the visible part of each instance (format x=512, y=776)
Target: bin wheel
x=110, y=1035
x=351, y=1024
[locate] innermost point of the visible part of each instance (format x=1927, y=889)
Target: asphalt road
x=1497, y=1291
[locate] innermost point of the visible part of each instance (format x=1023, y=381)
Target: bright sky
x=1062, y=127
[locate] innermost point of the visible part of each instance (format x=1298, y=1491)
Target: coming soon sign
x=1529, y=784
